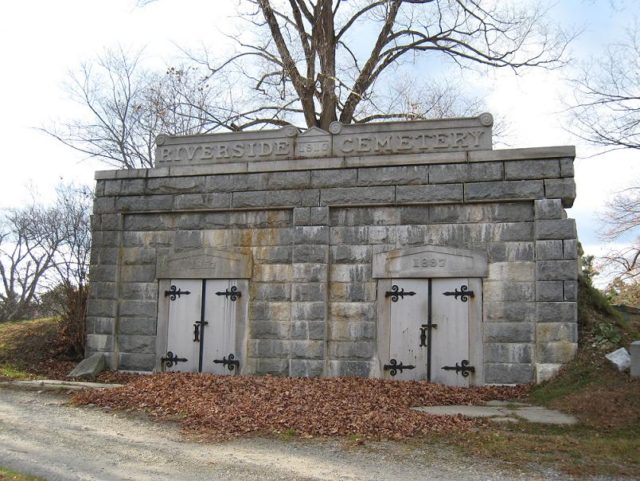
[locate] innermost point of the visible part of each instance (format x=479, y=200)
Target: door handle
x=196, y=332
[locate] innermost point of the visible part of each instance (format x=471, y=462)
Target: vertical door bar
x=429, y=329
x=202, y=323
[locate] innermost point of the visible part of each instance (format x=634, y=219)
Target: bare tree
x=606, y=107
x=328, y=60
x=606, y=113
x=41, y=247
x=126, y=106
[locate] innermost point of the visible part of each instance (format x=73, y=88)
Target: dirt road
x=42, y=436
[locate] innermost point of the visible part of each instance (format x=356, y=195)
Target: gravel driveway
x=41, y=435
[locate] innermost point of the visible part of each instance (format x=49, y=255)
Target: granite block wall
x=312, y=231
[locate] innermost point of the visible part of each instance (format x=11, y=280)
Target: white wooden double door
x=202, y=327
x=432, y=324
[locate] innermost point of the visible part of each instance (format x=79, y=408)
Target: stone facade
x=312, y=223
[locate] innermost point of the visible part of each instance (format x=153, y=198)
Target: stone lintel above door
x=204, y=263
x=430, y=262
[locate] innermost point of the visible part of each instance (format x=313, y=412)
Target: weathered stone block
x=350, y=272
x=272, y=272
x=128, y=361
x=557, y=331
x=544, y=372
x=510, y=251
x=334, y=178
x=138, y=308
x=314, y=330
x=510, y=311
x=274, y=367
x=103, y=273
x=557, y=312
x=549, y=291
x=501, y=332
x=214, y=200
x=273, y=348
x=311, y=254
x=351, y=350
x=311, y=216
x=570, y=290
x=348, y=235
x=138, y=255
x=353, y=291
x=352, y=311
x=137, y=326
x=103, y=290
x=352, y=330
x=557, y=270
x=269, y=311
x=549, y=250
x=492, y=232
x=311, y=235
x=309, y=291
x=136, y=343
x=549, y=209
x=270, y=330
x=273, y=254
x=381, y=234
x=146, y=273
x=566, y=167
x=512, y=271
x=634, y=352
x=396, y=175
x=308, y=311
x=270, y=291
x=104, y=205
x=505, y=190
x=351, y=254
x=570, y=248
x=90, y=367
x=518, y=353
x=508, y=291
x=173, y=185
x=450, y=173
x=505, y=373
x=556, y=352
x=532, y=169
x=309, y=273
x=307, y=349
x=101, y=308
x=344, y=368
x=99, y=342
x=565, y=189
x=146, y=202
x=444, y=235
x=305, y=368
x=425, y=194
x=100, y=325
x=556, y=229
x=358, y=195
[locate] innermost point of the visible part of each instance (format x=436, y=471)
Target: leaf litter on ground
x=222, y=407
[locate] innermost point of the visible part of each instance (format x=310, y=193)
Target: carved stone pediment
x=430, y=262
x=205, y=263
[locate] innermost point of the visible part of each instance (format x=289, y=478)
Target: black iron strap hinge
x=170, y=359
x=231, y=362
x=463, y=368
x=175, y=292
x=464, y=293
x=394, y=367
x=232, y=293
x=395, y=293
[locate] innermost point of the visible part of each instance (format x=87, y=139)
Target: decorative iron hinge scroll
x=463, y=368
x=394, y=367
x=174, y=292
x=395, y=293
x=231, y=362
x=170, y=359
x=232, y=293
x=464, y=293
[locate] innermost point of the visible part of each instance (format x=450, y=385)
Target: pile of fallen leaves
x=220, y=407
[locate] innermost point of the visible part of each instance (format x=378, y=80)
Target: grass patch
x=9, y=475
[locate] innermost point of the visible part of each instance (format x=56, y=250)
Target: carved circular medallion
x=161, y=139
x=335, y=127
x=486, y=119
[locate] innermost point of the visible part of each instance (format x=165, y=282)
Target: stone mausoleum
x=403, y=250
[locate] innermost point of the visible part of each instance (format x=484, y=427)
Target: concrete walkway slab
x=503, y=411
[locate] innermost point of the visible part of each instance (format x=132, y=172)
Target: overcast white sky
x=41, y=40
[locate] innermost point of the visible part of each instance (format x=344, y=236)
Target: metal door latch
x=423, y=333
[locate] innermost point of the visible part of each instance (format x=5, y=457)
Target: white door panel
x=184, y=311
x=220, y=333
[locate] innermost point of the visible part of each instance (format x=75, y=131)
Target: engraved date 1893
x=429, y=262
